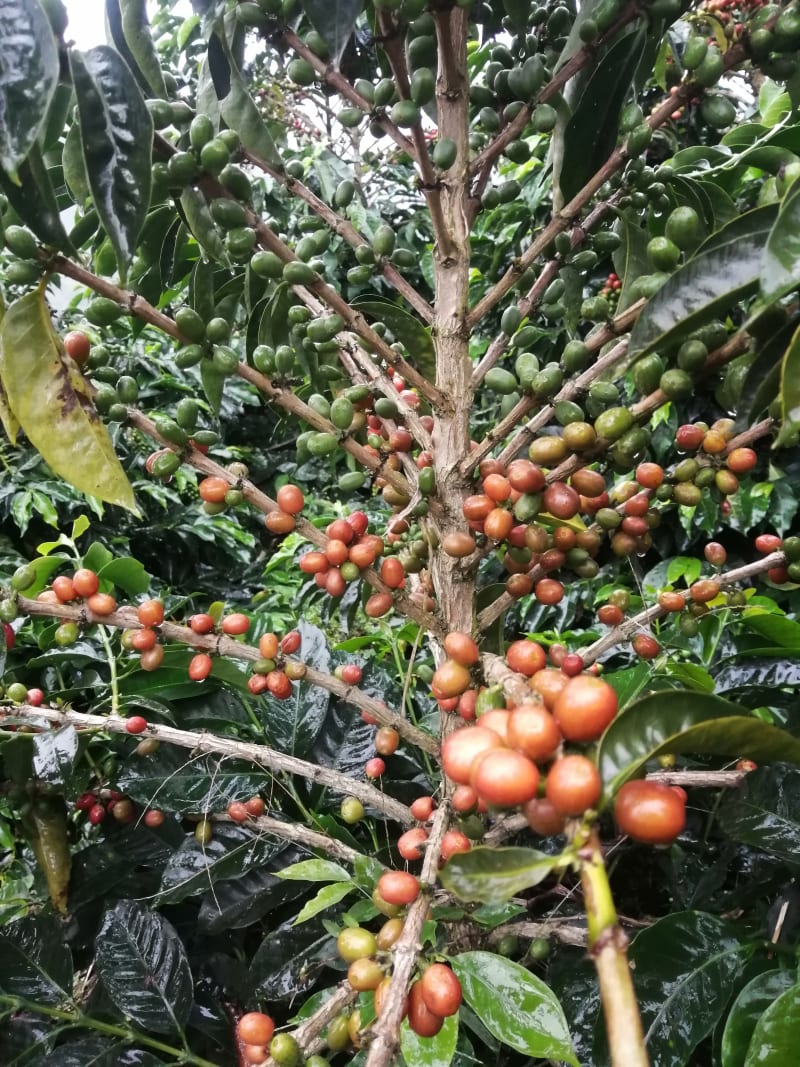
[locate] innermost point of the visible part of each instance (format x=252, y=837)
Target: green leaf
x=51, y=399
x=79, y=526
x=629, y=683
x=136, y=29
x=776, y=628
x=236, y=105
x=724, y=270
x=686, y=959
x=407, y=329
x=774, y=1041
x=790, y=393
x=294, y=725
x=325, y=898
x=591, y=133
x=490, y=875
x=436, y=1051
x=179, y=784
x=335, y=21
x=780, y=261
x=691, y=675
x=316, y=871
x=54, y=755
x=74, y=166
x=213, y=384
x=231, y=853
x=684, y=721
x=764, y=812
x=127, y=573
x=630, y=259
x=34, y=960
x=759, y=993
x=34, y=200
x=773, y=102
x=203, y=228
x=29, y=79
x=514, y=1005
x=143, y=966
x=236, y=903
x=290, y=960
x=116, y=137
x=686, y=567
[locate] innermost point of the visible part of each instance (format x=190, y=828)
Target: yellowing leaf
x=10, y=424
x=53, y=404
x=790, y=393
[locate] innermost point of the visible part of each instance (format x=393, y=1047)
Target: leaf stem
x=78, y=1019
x=608, y=950
x=113, y=679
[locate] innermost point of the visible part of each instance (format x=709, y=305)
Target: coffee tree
x=413, y=390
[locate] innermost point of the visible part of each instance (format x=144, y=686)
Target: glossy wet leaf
x=34, y=960
x=324, y=899
x=138, y=40
x=406, y=328
x=50, y=398
x=775, y=1038
x=686, y=959
x=232, y=851
x=237, y=903
x=334, y=21
x=778, y=629
x=789, y=394
x=750, y=1004
x=99, y=1051
x=171, y=779
x=35, y=201
x=54, y=755
x=202, y=226
x=685, y=721
x=724, y=271
x=490, y=875
x=780, y=261
x=763, y=378
x=436, y=1051
x=237, y=106
x=116, y=138
x=291, y=959
x=765, y=812
x=29, y=78
x=144, y=968
x=514, y=1005
x=592, y=131
x=293, y=725
x=316, y=871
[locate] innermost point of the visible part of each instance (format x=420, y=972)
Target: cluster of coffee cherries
x=510, y=499
x=498, y=759
x=349, y=550
x=99, y=805
x=790, y=546
x=433, y=995
x=611, y=290
x=412, y=843
x=272, y=672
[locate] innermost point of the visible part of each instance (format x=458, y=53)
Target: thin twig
x=222, y=645
x=385, y=1034
x=260, y=755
